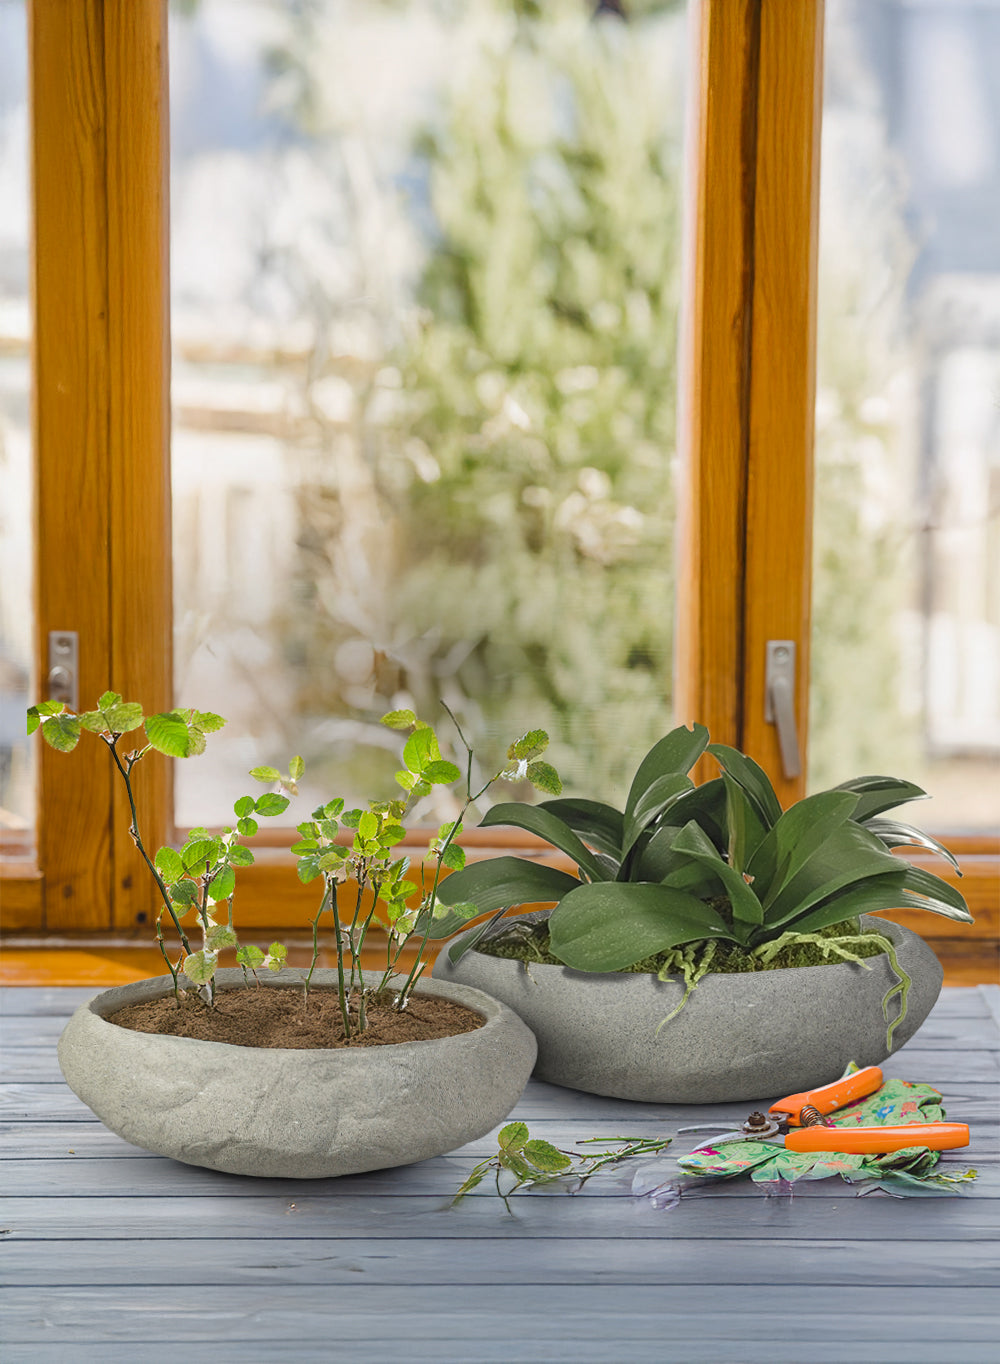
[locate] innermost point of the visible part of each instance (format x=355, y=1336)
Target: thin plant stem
x=341, y=986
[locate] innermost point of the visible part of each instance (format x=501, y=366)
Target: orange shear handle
x=938, y=1136
x=831, y=1097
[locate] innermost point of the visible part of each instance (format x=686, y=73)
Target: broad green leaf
x=544, y=777
x=170, y=733
x=849, y=854
x=676, y=753
x=545, y=825
x=467, y=941
x=207, y=721
x=544, y=1156
x=421, y=748
x=611, y=926
x=108, y=700
x=251, y=955
x=199, y=852
x=244, y=806
x=406, y=780
x=169, y=864
x=93, y=722
x=706, y=805
x=513, y=1136
x=453, y=857
x=895, y=835
x=753, y=779
x=200, y=967
x=221, y=936
x=222, y=885
x=897, y=890
x=796, y=838
x=308, y=868
x=500, y=882
x=746, y=830
x=399, y=719
x=62, y=732
x=305, y=845
x=277, y=950
x=652, y=802
x=296, y=768
x=351, y=818
x=330, y=859
x=247, y=827
x=659, y=862
x=529, y=746
x=599, y=825
x=268, y=774
x=877, y=794
x=449, y=827
x=184, y=893
x=240, y=856
x=270, y=803
x=332, y=809
x=124, y=718
x=693, y=842
x=441, y=773
x=941, y=897
x=34, y=720
x=368, y=826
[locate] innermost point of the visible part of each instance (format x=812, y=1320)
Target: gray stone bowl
x=291, y=1114
x=738, y=1036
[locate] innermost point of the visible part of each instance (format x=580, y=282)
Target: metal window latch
x=63, y=681
x=779, y=702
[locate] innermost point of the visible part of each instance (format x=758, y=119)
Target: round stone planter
x=295, y=1114
x=738, y=1037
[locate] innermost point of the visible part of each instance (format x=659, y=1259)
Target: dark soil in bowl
x=275, y=1016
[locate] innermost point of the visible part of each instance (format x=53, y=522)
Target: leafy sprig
x=529, y=1162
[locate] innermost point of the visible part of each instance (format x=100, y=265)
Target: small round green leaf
x=296, y=768
x=247, y=827
x=250, y=955
x=271, y=804
x=221, y=936
x=222, y=885
x=441, y=773
x=244, y=806
x=399, y=719
x=124, y=718
x=62, y=732
x=544, y=1156
x=513, y=1136
x=453, y=857
x=544, y=777
x=265, y=774
x=200, y=967
x=207, y=721
x=169, y=864
x=239, y=856
x=170, y=733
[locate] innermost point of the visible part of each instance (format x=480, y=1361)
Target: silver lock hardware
x=779, y=702
x=63, y=680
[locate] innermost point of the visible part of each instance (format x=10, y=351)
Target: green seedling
x=200, y=876
x=363, y=849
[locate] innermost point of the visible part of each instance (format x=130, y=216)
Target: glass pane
x=425, y=273
x=906, y=642
x=17, y=785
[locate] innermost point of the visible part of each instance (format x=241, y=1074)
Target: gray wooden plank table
x=112, y=1254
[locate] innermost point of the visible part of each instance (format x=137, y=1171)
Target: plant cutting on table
x=312, y=1090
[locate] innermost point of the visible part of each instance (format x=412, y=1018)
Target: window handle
x=779, y=702
x=64, y=668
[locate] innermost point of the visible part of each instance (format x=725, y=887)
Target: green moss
x=531, y=944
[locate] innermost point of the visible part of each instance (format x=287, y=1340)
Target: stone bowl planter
x=291, y=1114
x=738, y=1037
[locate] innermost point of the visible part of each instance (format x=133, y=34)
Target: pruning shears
x=806, y=1114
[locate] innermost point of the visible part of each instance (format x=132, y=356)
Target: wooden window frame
x=101, y=366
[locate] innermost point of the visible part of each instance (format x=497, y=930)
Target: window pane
x=17, y=788
x=906, y=641
x=425, y=272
